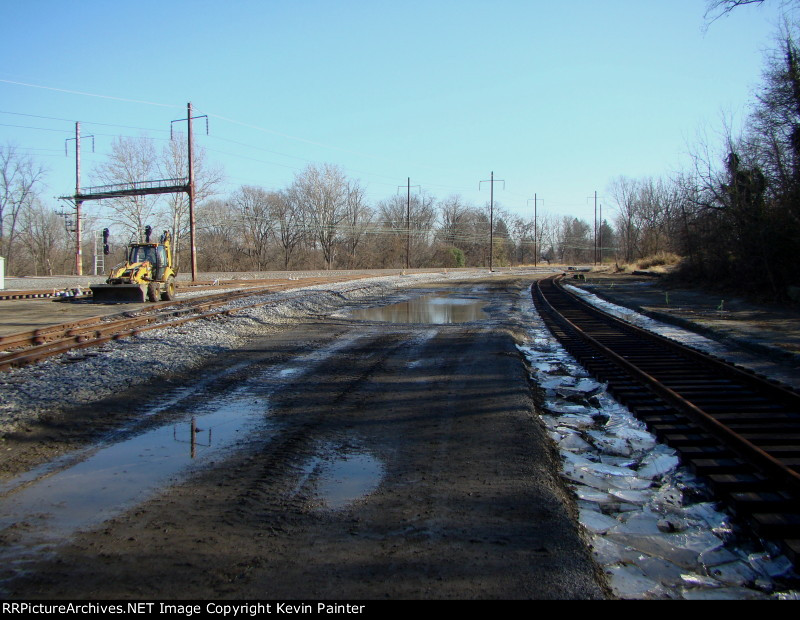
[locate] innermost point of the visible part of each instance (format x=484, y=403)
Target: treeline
x=745, y=227
x=734, y=216
x=322, y=220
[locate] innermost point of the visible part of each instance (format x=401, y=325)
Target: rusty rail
x=34, y=346
x=739, y=430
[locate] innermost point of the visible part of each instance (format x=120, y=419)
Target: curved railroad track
x=738, y=430
x=28, y=347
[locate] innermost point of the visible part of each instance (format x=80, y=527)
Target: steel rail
x=723, y=431
x=76, y=328
x=738, y=430
x=97, y=331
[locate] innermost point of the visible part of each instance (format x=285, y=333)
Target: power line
x=69, y=120
x=85, y=94
x=252, y=126
x=37, y=128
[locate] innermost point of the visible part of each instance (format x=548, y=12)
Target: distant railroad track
x=29, y=347
x=738, y=430
x=86, y=293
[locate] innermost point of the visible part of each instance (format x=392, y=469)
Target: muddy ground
x=466, y=503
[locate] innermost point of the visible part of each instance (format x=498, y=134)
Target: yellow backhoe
x=147, y=274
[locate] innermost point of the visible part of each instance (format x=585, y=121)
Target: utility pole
x=135, y=188
x=535, y=230
x=595, y=228
x=408, y=222
x=193, y=246
x=600, y=243
x=595, y=225
x=190, y=185
x=78, y=203
x=491, y=181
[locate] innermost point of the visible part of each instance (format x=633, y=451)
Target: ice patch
x=652, y=541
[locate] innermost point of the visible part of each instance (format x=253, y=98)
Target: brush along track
x=33, y=346
x=738, y=430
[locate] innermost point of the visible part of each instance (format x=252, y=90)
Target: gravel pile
x=94, y=373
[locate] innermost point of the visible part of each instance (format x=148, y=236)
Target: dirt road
x=455, y=490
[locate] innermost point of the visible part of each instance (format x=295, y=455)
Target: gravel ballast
x=55, y=384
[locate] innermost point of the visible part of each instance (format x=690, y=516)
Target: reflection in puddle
x=44, y=507
x=37, y=517
x=344, y=480
x=118, y=475
x=431, y=309
x=39, y=512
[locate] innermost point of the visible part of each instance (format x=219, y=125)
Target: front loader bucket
x=119, y=293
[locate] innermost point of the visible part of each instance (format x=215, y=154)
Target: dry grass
x=661, y=259
x=661, y=262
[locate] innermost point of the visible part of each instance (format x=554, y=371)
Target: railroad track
x=738, y=430
x=71, y=293
x=29, y=347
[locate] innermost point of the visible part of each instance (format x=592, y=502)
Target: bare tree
x=574, y=240
x=358, y=220
x=324, y=193
x=174, y=164
x=219, y=238
x=717, y=8
x=131, y=160
x=251, y=205
x=288, y=226
x=453, y=217
x=501, y=239
x=521, y=235
x=655, y=216
x=410, y=224
x=623, y=190
x=19, y=178
x=45, y=238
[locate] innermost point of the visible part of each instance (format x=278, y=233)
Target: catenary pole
x=192, y=251
x=78, y=203
x=491, y=182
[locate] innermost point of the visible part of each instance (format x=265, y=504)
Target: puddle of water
x=349, y=478
x=72, y=458
x=432, y=309
x=43, y=508
x=117, y=476
x=342, y=481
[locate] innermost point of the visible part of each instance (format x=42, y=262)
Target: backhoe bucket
x=119, y=293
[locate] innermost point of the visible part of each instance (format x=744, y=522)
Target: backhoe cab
x=147, y=274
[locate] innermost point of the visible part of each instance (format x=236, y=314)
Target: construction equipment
x=147, y=274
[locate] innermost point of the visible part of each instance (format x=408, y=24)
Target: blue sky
x=557, y=98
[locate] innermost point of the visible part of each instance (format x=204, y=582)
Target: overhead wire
x=69, y=120
x=251, y=126
x=212, y=115
x=85, y=94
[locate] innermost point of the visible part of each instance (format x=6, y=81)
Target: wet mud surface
x=342, y=458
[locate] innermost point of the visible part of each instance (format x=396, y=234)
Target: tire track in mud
x=470, y=504
x=272, y=487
